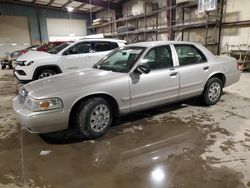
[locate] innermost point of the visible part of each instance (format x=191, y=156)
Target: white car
x=66, y=57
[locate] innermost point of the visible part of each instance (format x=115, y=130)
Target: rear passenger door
x=102, y=48
x=193, y=68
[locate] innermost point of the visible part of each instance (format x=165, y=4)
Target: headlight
x=31, y=62
x=36, y=105
x=21, y=63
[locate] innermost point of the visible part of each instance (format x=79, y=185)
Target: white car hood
x=32, y=55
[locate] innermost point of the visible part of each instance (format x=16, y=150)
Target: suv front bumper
x=23, y=73
x=41, y=122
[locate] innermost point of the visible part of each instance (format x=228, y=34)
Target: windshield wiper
x=106, y=68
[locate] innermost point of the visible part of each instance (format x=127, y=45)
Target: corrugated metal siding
x=33, y=14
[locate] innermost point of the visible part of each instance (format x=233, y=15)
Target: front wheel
x=213, y=91
x=45, y=73
x=94, y=117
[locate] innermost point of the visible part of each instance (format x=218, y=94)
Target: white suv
x=68, y=56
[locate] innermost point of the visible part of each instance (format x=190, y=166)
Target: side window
x=158, y=58
x=81, y=48
x=114, y=45
x=189, y=54
x=103, y=46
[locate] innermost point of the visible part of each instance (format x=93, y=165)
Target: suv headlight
x=36, y=105
x=31, y=62
x=21, y=63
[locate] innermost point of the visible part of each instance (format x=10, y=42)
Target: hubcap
x=44, y=75
x=99, y=118
x=214, y=91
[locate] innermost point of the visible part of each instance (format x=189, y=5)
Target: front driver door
x=160, y=86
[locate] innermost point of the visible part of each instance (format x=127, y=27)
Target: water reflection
x=158, y=175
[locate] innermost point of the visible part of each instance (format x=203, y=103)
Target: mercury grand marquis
x=129, y=79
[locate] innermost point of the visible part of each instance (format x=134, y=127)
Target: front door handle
x=72, y=67
x=173, y=73
x=206, y=68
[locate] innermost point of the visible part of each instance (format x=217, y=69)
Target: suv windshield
x=120, y=60
x=58, y=48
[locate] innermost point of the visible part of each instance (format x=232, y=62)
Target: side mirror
x=141, y=69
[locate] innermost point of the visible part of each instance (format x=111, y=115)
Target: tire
x=213, y=91
x=89, y=122
x=10, y=65
x=45, y=73
x=3, y=67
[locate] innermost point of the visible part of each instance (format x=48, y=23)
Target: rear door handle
x=206, y=68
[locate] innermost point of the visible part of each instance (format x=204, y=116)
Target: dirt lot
x=179, y=146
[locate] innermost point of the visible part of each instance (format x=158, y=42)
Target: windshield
x=58, y=48
x=120, y=60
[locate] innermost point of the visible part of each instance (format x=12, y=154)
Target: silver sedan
x=129, y=79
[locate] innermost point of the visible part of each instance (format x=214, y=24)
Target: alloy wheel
x=99, y=118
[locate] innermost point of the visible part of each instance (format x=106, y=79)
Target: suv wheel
x=45, y=73
x=213, y=91
x=94, y=117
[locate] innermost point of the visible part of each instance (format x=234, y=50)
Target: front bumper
x=27, y=73
x=41, y=122
x=20, y=80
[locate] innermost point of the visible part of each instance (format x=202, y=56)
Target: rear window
x=59, y=48
x=189, y=54
x=102, y=46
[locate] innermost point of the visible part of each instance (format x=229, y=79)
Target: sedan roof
x=157, y=43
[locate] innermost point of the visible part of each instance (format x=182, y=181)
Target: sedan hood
x=33, y=55
x=68, y=82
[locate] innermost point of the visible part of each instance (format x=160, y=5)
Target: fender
x=223, y=78
x=44, y=67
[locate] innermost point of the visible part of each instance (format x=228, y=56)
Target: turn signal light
x=44, y=104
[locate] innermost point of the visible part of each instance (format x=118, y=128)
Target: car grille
x=21, y=72
x=22, y=95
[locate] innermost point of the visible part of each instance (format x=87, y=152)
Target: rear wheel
x=213, y=91
x=94, y=117
x=45, y=73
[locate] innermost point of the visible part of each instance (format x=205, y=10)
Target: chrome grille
x=22, y=95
